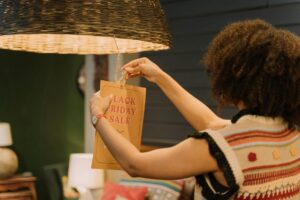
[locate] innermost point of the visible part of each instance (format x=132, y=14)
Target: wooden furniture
x=18, y=188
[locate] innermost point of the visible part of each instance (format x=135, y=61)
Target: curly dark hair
x=253, y=62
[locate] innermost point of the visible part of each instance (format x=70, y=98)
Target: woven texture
x=83, y=27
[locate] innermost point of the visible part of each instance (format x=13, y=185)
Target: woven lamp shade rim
x=85, y=44
x=57, y=23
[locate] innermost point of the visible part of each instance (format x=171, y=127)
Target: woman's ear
x=241, y=105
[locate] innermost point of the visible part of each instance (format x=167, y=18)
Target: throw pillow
x=114, y=191
x=157, y=189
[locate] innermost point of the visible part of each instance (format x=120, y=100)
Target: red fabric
x=252, y=157
x=111, y=191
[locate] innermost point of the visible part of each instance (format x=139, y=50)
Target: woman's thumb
x=110, y=97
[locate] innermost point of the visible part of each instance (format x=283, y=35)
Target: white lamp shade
x=5, y=134
x=81, y=175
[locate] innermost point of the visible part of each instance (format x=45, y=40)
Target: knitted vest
x=260, y=159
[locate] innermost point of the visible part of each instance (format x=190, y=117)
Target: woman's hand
x=143, y=67
x=99, y=104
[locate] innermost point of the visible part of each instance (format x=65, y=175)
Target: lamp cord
x=117, y=68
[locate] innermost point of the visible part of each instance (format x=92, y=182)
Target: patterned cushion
x=157, y=189
x=114, y=191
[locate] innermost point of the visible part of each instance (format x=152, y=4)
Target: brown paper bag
x=126, y=114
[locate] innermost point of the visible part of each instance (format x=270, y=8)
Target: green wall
x=39, y=97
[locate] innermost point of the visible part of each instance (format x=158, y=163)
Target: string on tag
x=117, y=68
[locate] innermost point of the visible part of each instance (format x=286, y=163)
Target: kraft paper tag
x=126, y=115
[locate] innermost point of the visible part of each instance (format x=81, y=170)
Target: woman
x=256, y=155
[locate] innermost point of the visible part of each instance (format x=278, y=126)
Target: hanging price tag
x=126, y=114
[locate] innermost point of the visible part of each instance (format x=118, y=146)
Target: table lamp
x=82, y=177
x=8, y=158
x=5, y=135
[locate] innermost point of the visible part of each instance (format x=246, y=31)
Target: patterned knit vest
x=260, y=159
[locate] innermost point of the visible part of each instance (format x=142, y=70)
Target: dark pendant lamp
x=83, y=26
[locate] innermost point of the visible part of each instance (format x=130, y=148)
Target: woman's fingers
x=110, y=97
x=99, y=104
x=131, y=70
x=97, y=93
x=134, y=63
x=134, y=75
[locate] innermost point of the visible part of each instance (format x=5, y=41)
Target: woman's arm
x=188, y=158
x=193, y=110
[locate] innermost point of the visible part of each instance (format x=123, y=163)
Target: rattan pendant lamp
x=83, y=26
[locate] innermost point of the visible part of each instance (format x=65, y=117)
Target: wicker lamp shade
x=83, y=26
